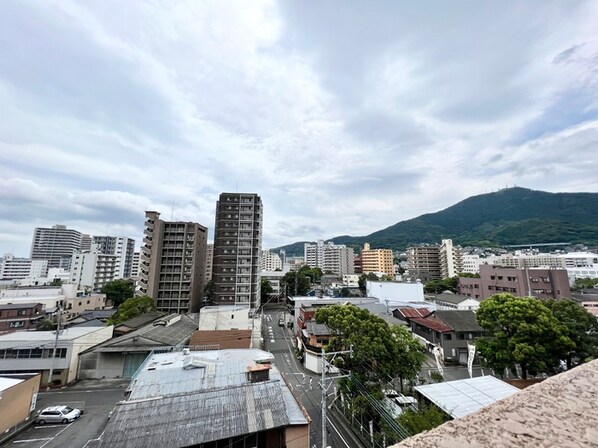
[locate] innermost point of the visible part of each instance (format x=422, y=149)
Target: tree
x=314, y=274
x=381, y=352
x=364, y=278
x=295, y=283
x=424, y=419
x=439, y=286
x=584, y=283
x=581, y=327
x=208, y=292
x=118, y=291
x=344, y=292
x=133, y=307
x=56, y=282
x=45, y=325
x=468, y=275
x=522, y=331
x=266, y=289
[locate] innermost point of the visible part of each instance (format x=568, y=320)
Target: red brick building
x=20, y=316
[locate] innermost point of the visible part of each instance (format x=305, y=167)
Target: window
x=21, y=312
x=17, y=324
x=448, y=337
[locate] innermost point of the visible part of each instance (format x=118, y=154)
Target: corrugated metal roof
x=448, y=297
x=413, y=312
x=317, y=329
x=463, y=397
x=172, y=406
x=460, y=320
x=433, y=323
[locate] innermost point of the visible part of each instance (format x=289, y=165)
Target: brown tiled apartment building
x=22, y=316
x=540, y=283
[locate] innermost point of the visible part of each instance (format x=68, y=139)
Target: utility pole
x=325, y=365
x=54, y=349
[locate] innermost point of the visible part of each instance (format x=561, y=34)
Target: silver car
x=58, y=414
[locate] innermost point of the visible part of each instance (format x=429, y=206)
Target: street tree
x=581, y=327
x=381, y=352
x=133, y=307
x=521, y=331
x=208, y=292
x=117, y=291
x=265, y=290
x=439, y=286
x=295, y=283
x=314, y=274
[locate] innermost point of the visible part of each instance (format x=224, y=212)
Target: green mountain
x=510, y=216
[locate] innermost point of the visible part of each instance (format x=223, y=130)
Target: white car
x=58, y=414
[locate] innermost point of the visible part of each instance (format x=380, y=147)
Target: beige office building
x=377, y=260
x=172, y=263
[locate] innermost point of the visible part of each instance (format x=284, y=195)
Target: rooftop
x=448, y=298
x=410, y=313
x=139, y=321
x=7, y=382
x=560, y=411
x=19, y=306
x=200, y=397
x=460, y=320
x=27, y=339
x=432, y=322
x=463, y=397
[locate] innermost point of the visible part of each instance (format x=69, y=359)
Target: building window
x=21, y=312
x=17, y=324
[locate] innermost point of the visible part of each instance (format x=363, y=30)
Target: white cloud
x=345, y=118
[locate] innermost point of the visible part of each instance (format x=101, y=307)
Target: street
x=95, y=398
x=305, y=384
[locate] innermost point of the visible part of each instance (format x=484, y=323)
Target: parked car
x=58, y=414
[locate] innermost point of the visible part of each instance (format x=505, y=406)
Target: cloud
x=345, y=118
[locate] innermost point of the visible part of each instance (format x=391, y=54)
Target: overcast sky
x=346, y=117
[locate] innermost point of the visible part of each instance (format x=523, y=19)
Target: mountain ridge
x=513, y=215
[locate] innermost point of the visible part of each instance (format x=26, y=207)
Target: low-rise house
x=137, y=322
x=229, y=317
x=450, y=331
x=20, y=316
x=207, y=399
x=31, y=351
x=88, y=315
x=449, y=301
x=77, y=305
x=18, y=395
x=121, y=356
x=406, y=313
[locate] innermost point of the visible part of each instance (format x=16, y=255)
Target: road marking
x=32, y=440
x=337, y=431
x=56, y=435
x=272, y=340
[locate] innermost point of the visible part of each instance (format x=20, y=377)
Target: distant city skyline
x=344, y=118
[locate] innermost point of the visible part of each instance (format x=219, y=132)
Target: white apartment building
x=471, y=264
x=209, y=262
x=15, y=268
x=330, y=257
x=271, y=261
x=135, y=265
x=351, y=280
x=55, y=244
x=274, y=277
x=451, y=259
x=93, y=269
x=123, y=248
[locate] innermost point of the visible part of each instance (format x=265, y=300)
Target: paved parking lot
x=97, y=399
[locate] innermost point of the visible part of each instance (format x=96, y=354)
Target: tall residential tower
x=172, y=263
x=237, y=249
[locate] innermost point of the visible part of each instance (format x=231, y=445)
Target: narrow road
x=305, y=384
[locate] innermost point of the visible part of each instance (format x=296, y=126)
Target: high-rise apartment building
x=86, y=242
x=271, y=261
x=172, y=263
x=92, y=269
x=330, y=257
x=209, y=261
x=377, y=260
x=123, y=248
x=451, y=259
x=55, y=244
x=135, y=265
x=14, y=268
x=237, y=249
x=423, y=262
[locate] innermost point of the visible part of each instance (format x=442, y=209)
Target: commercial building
x=206, y=399
x=20, y=316
x=172, y=263
x=271, y=261
x=122, y=248
x=237, y=249
x=541, y=283
x=31, y=351
x=56, y=245
x=275, y=278
x=91, y=270
x=331, y=258
x=228, y=326
x=379, y=261
x=471, y=263
x=395, y=292
x=18, y=398
x=15, y=268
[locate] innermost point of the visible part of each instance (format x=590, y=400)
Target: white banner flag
x=470, y=356
x=437, y=356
